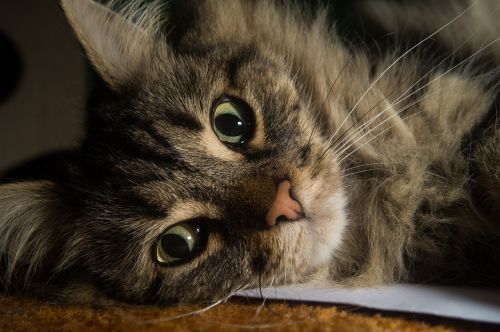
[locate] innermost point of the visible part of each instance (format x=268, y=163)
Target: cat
x=240, y=144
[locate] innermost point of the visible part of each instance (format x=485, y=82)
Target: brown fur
x=377, y=150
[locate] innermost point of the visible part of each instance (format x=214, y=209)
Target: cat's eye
x=180, y=243
x=232, y=121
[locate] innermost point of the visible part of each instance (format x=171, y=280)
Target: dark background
x=42, y=81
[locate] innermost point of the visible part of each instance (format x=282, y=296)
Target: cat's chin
x=325, y=230
x=307, y=245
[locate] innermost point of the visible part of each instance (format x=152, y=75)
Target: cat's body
x=393, y=158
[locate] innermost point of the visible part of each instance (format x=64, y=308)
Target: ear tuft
x=118, y=45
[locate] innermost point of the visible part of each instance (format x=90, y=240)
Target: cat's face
x=185, y=158
x=161, y=145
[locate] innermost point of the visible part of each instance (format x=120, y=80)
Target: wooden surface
x=22, y=314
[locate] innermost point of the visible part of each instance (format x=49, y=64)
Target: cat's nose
x=284, y=207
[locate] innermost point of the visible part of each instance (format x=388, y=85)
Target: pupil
x=229, y=125
x=175, y=246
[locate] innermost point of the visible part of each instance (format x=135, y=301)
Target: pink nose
x=284, y=207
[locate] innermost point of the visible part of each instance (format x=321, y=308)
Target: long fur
x=393, y=154
x=27, y=222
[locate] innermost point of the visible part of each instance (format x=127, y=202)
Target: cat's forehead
x=182, y=88
x=231, y=64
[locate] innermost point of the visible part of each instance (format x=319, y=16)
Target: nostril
x=281, y=219
x=285, y=207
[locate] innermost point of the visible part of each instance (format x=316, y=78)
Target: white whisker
x=381, y=133
x=367, y=123
x=364, y=165
x=395, y=62
x=261, y=306
x=358, y=172
x=192, y=313
x=404, y=94
x=326, y=100
x=344, y=148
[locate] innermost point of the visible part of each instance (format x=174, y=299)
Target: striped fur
x=392, y=154
x=27, y=222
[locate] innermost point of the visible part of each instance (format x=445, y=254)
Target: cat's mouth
x=303, y=242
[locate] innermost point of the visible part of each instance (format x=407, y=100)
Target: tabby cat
x=246, y=143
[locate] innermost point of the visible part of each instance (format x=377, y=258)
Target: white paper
x=463, y=303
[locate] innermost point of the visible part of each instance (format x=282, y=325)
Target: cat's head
x=205, y=168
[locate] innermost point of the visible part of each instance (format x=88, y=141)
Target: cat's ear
x=30, y=222
x=117, y=47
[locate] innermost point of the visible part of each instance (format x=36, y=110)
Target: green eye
x=232, y=122
x=180, y=243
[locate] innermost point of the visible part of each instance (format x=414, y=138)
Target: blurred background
x=42, y=81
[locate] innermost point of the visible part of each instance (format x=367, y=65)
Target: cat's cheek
x=327, y=230
x=325, y=207
x=307, y=246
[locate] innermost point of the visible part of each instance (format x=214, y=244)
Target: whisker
x=262, y=297
x=346, y=144
x=396, y=61
x=432, y=70
x=195, y=312
x=336, y=151
x=259, y=309
x=381, y=133
x=326, y=100
x=364, y=165
x=350, y=144
x=399, y=100
x=366, y=124
x=365, y=114
x=363, y=171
